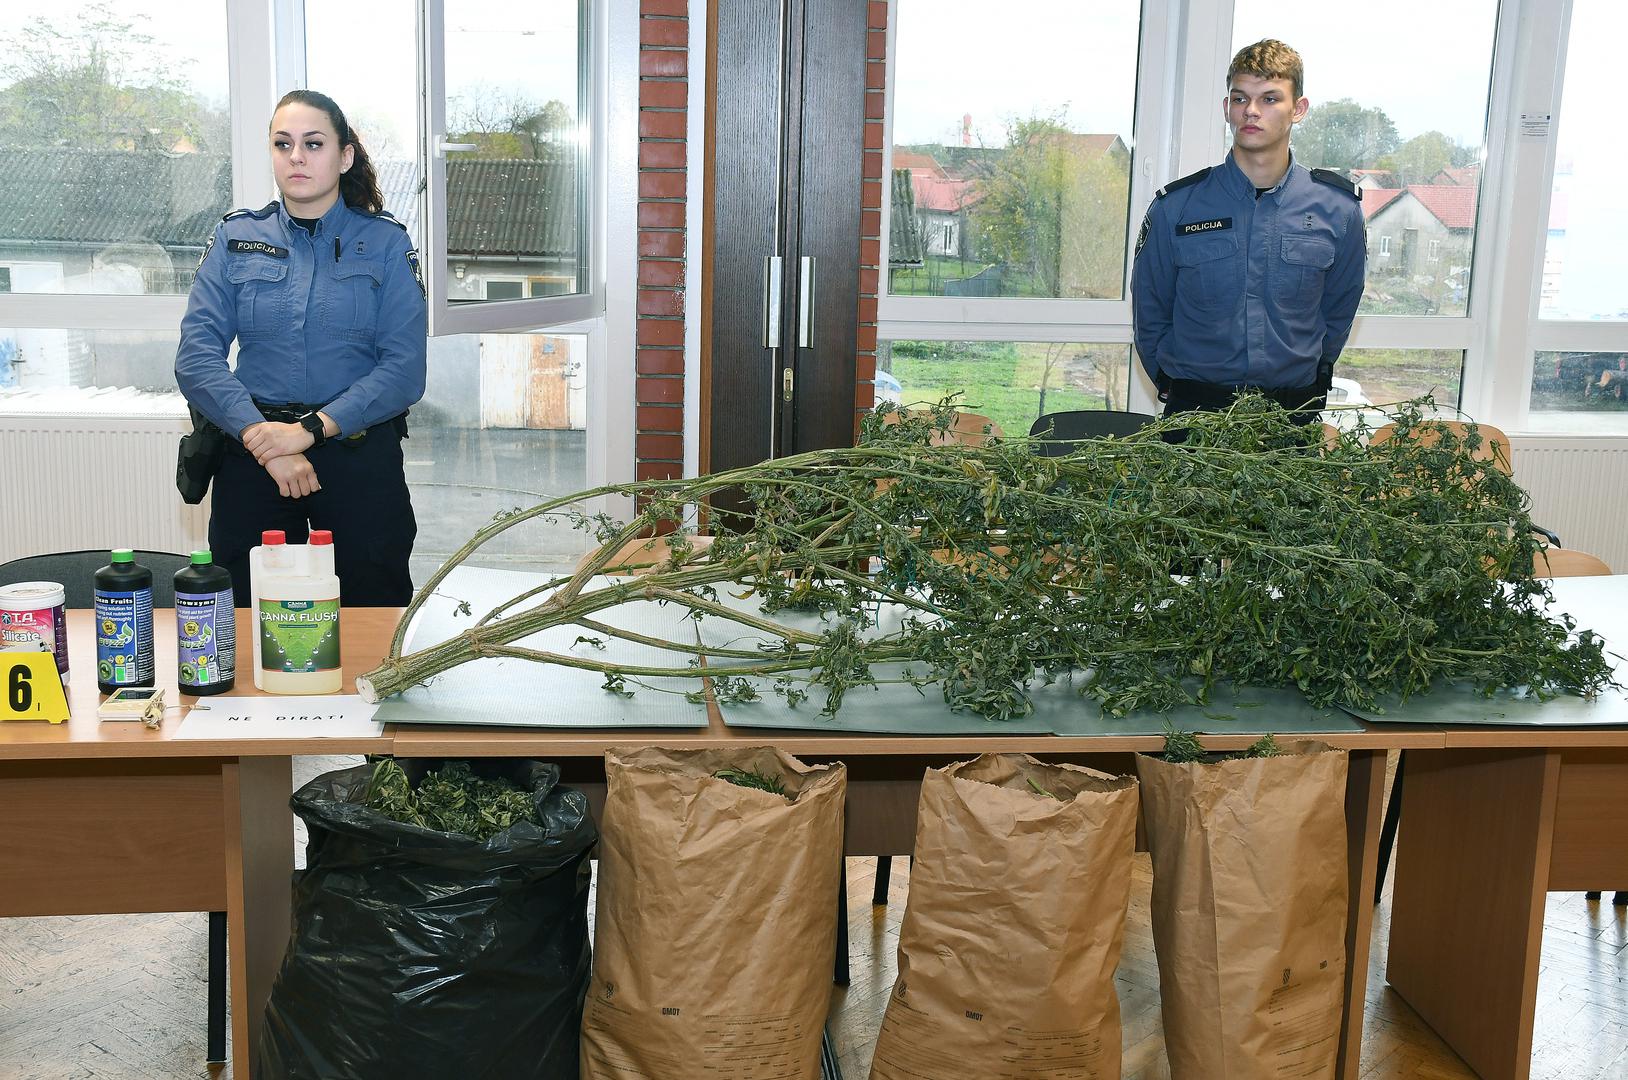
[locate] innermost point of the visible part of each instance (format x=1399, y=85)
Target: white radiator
x=1579, y=489
x=99, y=476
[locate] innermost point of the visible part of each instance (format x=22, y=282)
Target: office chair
x=1063, y=432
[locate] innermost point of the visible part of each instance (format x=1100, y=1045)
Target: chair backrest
x=75, y=571
x=1494, y=446
x=1069, y=429
x=969, y=429
x=1553, y=562
x=645, y=555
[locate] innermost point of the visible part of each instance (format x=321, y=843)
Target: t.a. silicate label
x=206, y=638
x=299, y=635
x=124, y=638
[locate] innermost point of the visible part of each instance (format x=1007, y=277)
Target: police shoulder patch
x=418, y=271
x=265, y=211
x=1186, y=181
x=209, y=245
x=1142, y=234
x=1336, y=180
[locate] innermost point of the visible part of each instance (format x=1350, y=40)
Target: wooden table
x=115, y=818
x=101, y=818
x=1492, y=821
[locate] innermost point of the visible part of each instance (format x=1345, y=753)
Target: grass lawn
x=1391, y=375
x=999, y=379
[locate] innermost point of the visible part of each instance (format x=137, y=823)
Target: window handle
x=444, y=147
x=805, y=303
x=772, y=271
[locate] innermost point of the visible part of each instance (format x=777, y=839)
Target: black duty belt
x=1205, y=395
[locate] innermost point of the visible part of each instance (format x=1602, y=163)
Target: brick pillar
x=870, y=219
x=664, y=37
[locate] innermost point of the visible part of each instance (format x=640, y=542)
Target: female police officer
x=322, y=291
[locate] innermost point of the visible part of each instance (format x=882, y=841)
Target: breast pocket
x=262, y=295
x=1209, y=273
x=1306, y=261
x=350, y=301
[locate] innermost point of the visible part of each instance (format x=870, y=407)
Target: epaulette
x=1185, y=181
x=264, y=211
x=387, y=216
x=1335, y=180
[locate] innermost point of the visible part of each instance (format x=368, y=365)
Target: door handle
x=772, y=271
x=805, y=303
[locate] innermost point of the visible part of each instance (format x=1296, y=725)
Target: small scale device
x=144, y=703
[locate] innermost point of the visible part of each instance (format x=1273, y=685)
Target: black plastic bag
x=418, y=953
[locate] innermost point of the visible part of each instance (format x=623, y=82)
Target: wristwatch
x=313, y=423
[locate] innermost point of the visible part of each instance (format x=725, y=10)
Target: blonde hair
x=1269, y=59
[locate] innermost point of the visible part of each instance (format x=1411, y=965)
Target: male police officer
x=1248, y=274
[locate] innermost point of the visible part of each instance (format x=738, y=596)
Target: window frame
x=1185, y=48
x=526, y=313
x=1097, y=322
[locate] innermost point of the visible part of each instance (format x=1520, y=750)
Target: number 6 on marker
x=19, y=691
x=33, y=688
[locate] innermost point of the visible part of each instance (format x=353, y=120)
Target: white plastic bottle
x=297, y=621
x=272, y=556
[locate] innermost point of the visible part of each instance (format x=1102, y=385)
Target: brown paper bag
x=1249, y=911
x=716, y=918
x=1014, y=925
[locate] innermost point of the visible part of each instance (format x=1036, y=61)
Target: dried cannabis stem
x=1038, y=790
x=1250, y=554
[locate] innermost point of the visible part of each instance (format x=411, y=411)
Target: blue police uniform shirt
x=333, y=317
x=1235, y=290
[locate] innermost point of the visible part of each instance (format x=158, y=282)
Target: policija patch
x=418, y=272
x=257, y=245
x=1193, y=227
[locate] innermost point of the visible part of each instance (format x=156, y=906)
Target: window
x=115, y=143
x=512, y=93
x=1405, y=116
x=1388, y=376
x=503, y=425
x=1384, y=245
x=504, y=418
x=1018, y=143
x=1587, y=230
x=1011, y=382
x=134, y=366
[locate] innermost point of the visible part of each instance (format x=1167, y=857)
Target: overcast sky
x=1427, y=65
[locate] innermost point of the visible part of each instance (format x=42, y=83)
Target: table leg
x=1364, y=808
x=1472, y=870
x=259, y=862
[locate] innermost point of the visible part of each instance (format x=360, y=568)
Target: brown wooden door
x=787, y=156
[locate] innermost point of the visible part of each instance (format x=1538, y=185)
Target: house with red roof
x=1422, y=235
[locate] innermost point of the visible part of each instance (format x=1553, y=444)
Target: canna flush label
x=299, y=635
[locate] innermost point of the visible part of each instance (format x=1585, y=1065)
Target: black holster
x=198, y=458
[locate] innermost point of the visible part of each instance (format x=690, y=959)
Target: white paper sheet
x=328, y=716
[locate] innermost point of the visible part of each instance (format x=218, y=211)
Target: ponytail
x=358, y=185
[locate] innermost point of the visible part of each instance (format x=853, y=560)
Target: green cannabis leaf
x=451, y=799
x=1249, y=553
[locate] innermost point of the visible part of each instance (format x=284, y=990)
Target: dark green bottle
x=124, y=623
x=205, y=627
